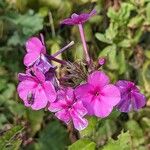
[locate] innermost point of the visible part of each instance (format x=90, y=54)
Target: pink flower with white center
x=67, y=108
x=98, y=96
x=35, y=91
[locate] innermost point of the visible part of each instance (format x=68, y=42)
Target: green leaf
x=125, y=43
x=135, y=21
x=146, y=75
x=83, y=144
x=29, y=24
x=136, y=133
x=35, y=119
x=111, y=53
x=53, y=137
x=9, y=139
x=122, y=143
x=122, y=62
x=111, y=32
x=148, y=12
x=102, y=38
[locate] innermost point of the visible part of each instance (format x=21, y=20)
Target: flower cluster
x=94, y=95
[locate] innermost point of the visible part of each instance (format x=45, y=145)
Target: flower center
x=97, y=93
x=30, y=98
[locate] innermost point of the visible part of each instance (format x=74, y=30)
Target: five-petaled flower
x=78, y=19
x=98, y=96
x=131, y=98
x=35, y=91
x=67, y=108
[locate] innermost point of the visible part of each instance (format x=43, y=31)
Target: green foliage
x=10, y=140
x=83, y=144
x=122, y=37
x=123, y=142
x=53, y=137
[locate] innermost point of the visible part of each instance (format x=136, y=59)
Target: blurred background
x=120, y=32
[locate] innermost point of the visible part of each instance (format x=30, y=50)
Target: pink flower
x=78, y=19
x=34, y=48
x=131, y=98
x=98, y=96
x=68, y=109
x=35, y=91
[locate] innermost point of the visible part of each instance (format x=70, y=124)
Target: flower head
x=67, y=108
x=131, y=98
x=98, y=96
x=35, y=91
x=78, y=19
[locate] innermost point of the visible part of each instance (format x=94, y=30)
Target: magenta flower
x=131, y=98
x=98, y=96
x=79, y=20
x=36, y=54
x=34, y=48
x=35, y=91
x=68, y=109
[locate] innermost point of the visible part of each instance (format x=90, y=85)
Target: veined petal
x=63, y=115
x=79, y=108
x=125, y=103
x=138, y=100
x=79, y=122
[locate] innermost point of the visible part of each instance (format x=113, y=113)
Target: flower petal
x=98, y=79
x=110, y=94
x=30, y=58
x=79, y=122
x=67, y=21
x=79, y=108
x=40, y=99
x=138, y=100
x=49, y=91
x=125, y=104
x=25, y=87
x=83, y=93
x=102, y=109
x=63, y=115
x=34, y=45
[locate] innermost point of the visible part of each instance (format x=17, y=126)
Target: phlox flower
x=35, y=91
x=98, y=96
x=67, y=108
x=79, y=20
x=131, y=98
